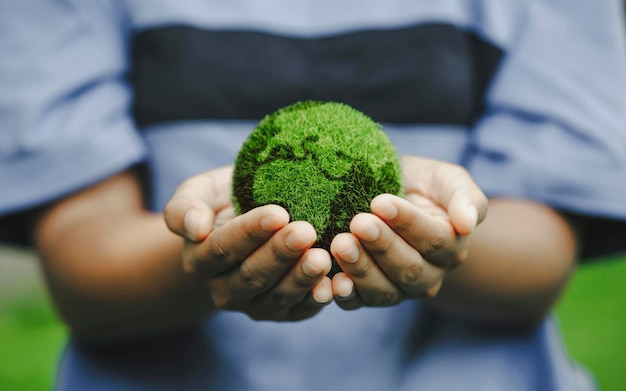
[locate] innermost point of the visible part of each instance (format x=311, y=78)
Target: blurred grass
x=31, y=341
x=592, y=314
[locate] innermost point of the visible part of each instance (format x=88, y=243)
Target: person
x=113, y=111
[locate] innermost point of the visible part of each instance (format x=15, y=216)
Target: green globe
x=322, y=161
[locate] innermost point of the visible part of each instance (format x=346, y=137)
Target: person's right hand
x=257, y=263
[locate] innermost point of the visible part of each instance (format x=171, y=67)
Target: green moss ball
x=322, y=161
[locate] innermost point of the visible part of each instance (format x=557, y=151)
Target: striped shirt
x=528, y=95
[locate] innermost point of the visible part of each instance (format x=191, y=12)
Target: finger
x=293, y=297
x=299, y=282
x=399, y=261
x=191, y=210
x=465, y=214
x=372, y=284
x=269, y=263
x=450, y=186
x=322, y=293
x=228, y=245
x=320, y=296
x=345, y=292
x=189, y=218
x=224, y=216
x=431, y=235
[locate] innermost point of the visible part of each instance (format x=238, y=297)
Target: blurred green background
x=592, y=315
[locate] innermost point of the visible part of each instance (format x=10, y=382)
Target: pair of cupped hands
x=264, y=265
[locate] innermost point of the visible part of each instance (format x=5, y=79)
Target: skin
x=117, y=273
x=511, y=273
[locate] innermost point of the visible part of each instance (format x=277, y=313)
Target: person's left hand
x=405, y=246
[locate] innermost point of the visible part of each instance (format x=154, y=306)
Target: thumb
x=187, y=217
x=191, y=211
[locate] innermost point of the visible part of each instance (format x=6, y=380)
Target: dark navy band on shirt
x=428, y=73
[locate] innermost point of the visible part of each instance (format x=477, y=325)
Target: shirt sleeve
x=554, y=127
x=65, y=118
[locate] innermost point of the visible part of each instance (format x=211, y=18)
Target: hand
x=405, y=246
x=257, y=263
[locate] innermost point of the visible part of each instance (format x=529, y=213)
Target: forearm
x=118, y=276
x=519, y=262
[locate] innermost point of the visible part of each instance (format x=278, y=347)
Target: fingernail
x=371, y=232
x=309, y=270
x=192, y=223
x=322, y=299
x=350, y=254
x=387, y=211
x=294, y=243
x=345, y=291
x=271, y=222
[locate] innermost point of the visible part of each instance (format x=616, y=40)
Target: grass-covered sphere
x=322, y=161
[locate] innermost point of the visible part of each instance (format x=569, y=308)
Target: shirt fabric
x=522, y=93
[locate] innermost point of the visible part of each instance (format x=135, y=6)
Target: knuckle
x=281, y=256
x=173, y=213
x=405, y=223
x=218, y=252
x=436, y=243
x=381, y=248
x=447, y=258
x=411, y=275
x=250, y=278
x=301, y=281
x=382, y=298
x=251, y=231
x=179, y=204
x=360, y=270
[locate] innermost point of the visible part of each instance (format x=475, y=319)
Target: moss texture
x=322, y=161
